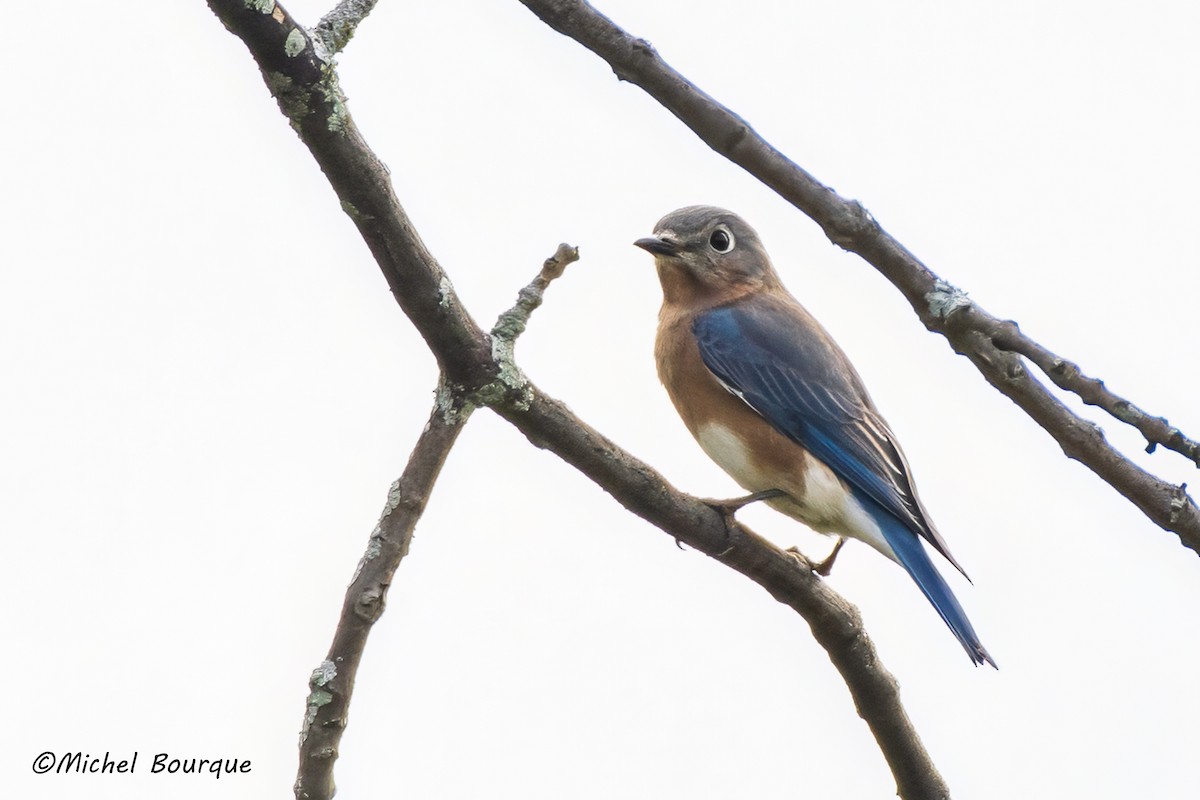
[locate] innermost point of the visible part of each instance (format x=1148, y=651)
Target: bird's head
x=708, y=255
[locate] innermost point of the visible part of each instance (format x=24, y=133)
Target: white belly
x=816, y=496
x=731, y=454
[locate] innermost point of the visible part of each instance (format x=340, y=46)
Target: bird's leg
x=729, y=507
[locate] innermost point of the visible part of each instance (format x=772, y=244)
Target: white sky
x=207, y=390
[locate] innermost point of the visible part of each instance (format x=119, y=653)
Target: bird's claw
x=725, y=511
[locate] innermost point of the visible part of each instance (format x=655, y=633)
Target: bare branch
x=337, y=28
x=310, y=99
x=332, y=683
x=1067, y=375
x=942, y=307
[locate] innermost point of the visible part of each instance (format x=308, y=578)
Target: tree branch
x=305, y=85
x=943, y=308
x=332, y=683
x=1067, y=375
x=834, y=621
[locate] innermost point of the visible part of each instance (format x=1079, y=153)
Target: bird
x=775, y=402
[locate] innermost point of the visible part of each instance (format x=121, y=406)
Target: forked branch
x=479, y=368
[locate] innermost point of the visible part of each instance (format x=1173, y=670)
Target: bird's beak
x=657, y=246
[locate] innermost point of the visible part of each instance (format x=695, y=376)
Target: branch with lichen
x=332, y=682
x=988, y=342
x=511, y=323
x=336, y=29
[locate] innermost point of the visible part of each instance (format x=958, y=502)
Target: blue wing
x=780, y=361
x=786, y=367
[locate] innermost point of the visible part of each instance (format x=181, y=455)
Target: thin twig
x=511, y=323
x=332, y=683
x=942, y=307
x=337, y=28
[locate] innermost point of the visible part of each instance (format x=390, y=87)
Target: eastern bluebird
x=776, y=403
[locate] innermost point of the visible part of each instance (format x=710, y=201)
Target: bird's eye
x=721, y=240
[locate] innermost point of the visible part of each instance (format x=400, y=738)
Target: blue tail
x=908, y=548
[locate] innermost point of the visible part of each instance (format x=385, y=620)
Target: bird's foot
x=825, y=567
x=822, y=568
x=728, y=508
